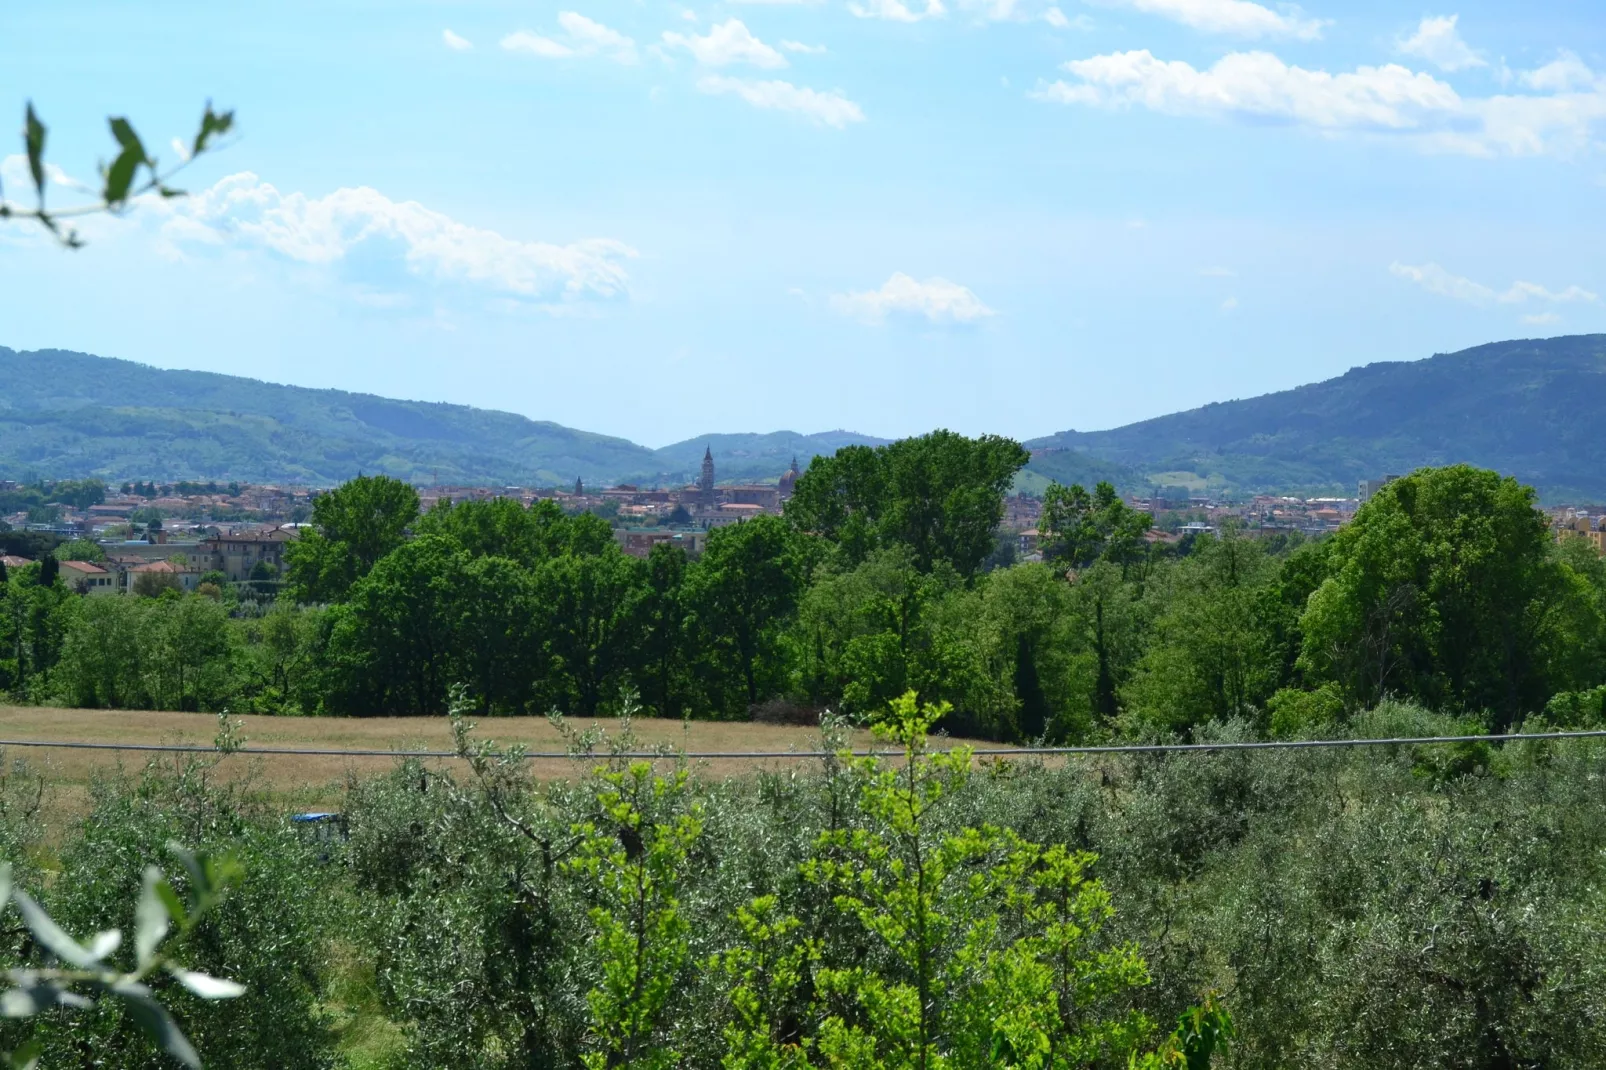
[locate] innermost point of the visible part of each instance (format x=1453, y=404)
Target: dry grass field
x=314, y=780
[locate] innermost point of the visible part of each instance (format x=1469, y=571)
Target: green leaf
x=194, y=865
x=25, y=1056
x=175, y=906
x=29, y=999
x=105, y=943
x=153, y=1018
x=206, y=986
x=51, y=935
x=212, y=124
x=123, y=131
x=34, y=137
x=151, y=916
x=120, y=176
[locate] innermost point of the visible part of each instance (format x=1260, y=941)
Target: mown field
x=320, y=779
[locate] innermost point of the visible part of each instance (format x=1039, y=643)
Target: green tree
x=982, y=935
x=744, y=588
x=940, y=494
x=1212, y=654
x=501, y=527
x=632, y=857
x=589, y=610
x=80, y=550
x=1444, y=588
x=664, y=653
x=355, y=525
x=1078, y=528
x=394, y=643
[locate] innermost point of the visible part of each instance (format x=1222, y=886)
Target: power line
x=1123, y=748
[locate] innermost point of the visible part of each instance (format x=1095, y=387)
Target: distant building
x=705, y=479
x=789, y=480
x=236, y=553
x=1369, y=487
x=766, y=498
x=86, y=577
x=639, y=542
x=186, y=577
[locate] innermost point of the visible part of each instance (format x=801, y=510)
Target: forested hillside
x=72, y=415
x=1528, y=408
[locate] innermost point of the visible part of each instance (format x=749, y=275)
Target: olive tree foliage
x=133, y=172
x=71, y=975
x=620, y=912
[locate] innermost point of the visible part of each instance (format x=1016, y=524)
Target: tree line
x=886, y=574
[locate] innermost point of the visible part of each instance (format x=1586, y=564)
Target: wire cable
x=1005, y=752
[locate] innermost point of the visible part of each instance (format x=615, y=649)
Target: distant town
x=180, y=534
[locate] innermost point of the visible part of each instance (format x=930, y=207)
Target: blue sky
x=657, y=219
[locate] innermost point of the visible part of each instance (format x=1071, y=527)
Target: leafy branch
x=132, y=173
x=84, y=968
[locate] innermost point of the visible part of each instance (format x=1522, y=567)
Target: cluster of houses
x=250, y=553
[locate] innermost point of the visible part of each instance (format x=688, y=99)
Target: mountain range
x=1527, y=408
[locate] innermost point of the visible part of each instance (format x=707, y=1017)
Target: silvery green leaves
x=75, y=974
x=132, y=172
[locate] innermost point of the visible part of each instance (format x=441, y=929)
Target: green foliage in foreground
x=1417, y=907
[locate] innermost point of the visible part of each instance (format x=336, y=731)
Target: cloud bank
x=936, y=300
x=1386, y=100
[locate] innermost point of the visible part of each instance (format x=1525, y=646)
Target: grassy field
x=319, y=779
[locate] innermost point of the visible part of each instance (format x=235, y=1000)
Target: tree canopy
x=940, y=495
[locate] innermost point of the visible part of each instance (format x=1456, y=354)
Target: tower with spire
x=789, y=480
x=705, y=480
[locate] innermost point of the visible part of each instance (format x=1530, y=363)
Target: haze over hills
x=65, y=414
x=1531, y=408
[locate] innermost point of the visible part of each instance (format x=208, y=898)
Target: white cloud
x=15, y=177
x=777, y=3
x=1437, y=41
x=536, y=45
x=372, y=241
x=1566, y=73
x=1434, y=279
x=897, y=10
x=455, y=42
x=582, y=38
x=1238, y=18
x=830, y=108
x=807, y=50
x=1390, y=99
x=1056, y=18
x=937, y=300
x=1019, y=11
x=1542, y=319
x=1229, y=304
x=727, y=43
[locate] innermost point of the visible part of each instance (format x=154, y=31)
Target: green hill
x=66, y=415
x=1527, y=408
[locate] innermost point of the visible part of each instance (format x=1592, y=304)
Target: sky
x=659, y=219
